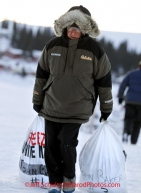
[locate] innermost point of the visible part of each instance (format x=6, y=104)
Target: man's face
x=73, y=32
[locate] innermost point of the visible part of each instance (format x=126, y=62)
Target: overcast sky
x=111, y=15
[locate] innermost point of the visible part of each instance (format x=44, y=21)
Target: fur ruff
x=85, y=23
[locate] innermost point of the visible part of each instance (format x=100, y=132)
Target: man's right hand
x=37, y=108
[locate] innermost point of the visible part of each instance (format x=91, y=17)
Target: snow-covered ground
x=16, y=115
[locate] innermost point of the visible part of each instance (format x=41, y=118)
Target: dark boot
x=135, y=132
x=128, y=125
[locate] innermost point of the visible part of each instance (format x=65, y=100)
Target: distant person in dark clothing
x=132, y=120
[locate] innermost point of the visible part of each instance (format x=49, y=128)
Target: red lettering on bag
x=32, y=138
x=36, y=138
x=43, y=139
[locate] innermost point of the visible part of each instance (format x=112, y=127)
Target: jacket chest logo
x=55, y=54
x=86, y=58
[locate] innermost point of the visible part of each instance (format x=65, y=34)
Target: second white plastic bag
x=102, y=162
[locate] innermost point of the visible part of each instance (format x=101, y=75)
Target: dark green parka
x=71, y=74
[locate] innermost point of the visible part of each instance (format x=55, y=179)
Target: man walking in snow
x=72, y=72
x=132, y=119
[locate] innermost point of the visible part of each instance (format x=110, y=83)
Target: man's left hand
x=104, y=116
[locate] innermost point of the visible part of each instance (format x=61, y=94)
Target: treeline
x=30, y=38
x=122, y=60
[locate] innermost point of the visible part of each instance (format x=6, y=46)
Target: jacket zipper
x=66, y=59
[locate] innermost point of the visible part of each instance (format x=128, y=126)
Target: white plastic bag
x=102, y=162
x=32, y=169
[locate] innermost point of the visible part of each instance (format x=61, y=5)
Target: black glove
x=104, y=116
x=120, y=100
x=37, y=108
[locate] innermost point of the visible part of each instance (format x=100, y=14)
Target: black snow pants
x=60, y=150
x=132, y=121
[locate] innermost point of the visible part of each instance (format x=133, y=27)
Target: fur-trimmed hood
x=85, y=23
